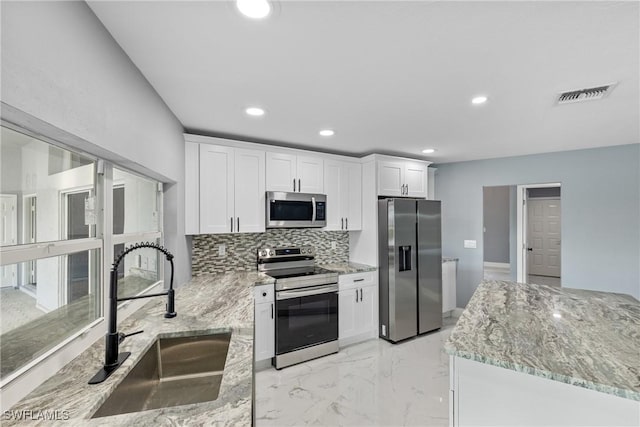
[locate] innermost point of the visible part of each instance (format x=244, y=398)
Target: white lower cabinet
x=264, y=323
x=357, y=307
x=449, y=285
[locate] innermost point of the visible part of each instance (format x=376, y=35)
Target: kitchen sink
x=174, y=371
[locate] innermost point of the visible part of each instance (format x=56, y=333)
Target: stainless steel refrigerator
x=410, y=267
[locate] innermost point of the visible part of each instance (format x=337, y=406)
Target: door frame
x=521, y=233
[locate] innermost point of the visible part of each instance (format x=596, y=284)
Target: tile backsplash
x=241, y=248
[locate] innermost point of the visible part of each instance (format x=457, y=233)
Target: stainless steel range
x=306, y=304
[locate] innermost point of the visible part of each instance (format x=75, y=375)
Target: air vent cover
x=589, y=94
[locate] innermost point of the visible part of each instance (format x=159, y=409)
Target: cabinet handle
x=341, y=223
x=294, y=185
x=346, y=223
x=231, y=219
x=358, y=280
x=407, y=187
x=238, y=227
x=299, y=186
x=272, y=310
x=402, y=189
x=356, y=295
x=360, y=294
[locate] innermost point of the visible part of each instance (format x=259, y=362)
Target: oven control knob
x=263, y=253
x=271, y=253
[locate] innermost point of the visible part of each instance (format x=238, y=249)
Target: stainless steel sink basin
x=174, y=371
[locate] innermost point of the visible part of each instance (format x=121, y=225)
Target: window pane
x=135, y=205
x=138, y=270
x=46, y=301
x=47, y=193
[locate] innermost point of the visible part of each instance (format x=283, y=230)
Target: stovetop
x=286, y=273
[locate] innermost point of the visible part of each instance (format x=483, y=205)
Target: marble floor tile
x=371, y=383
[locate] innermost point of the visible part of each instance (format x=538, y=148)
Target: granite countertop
x=348, y=267
x=448, y=259
x=207, y=304
x=585, y=338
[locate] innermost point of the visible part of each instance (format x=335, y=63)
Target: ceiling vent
x=589, y=94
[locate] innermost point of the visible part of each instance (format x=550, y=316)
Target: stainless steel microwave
x=295, y=210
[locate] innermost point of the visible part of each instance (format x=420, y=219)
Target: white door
x=352, y=202
x=216, y=189
x=390, y=178
x=543, y=235
x=415, y=179
x=367, y=310
x=281, y=172
x=310, y=172
x=9, y=235
x=347, y=313
x=333, y=187
x=249, y=190
x=264, y=331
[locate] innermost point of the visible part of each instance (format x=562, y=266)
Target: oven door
x=306, y=317
x=287, y=210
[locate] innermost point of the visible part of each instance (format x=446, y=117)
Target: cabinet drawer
x=263, y=293
x=347, y=281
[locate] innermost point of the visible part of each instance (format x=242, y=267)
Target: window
x=49, y=291
x=55, y=247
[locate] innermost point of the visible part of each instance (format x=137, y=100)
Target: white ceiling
x=392, y=77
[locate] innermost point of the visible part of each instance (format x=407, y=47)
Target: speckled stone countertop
x=584, y=338
x=348, y=267
x=207, y=304
x=448, y=259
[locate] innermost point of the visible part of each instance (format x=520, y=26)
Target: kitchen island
x=541, y=355
x=207, y=304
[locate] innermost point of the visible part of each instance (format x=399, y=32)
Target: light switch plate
x=470, y=244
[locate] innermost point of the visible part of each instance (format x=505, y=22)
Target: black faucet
x=113, y=359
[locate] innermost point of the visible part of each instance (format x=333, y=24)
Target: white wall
x=62, y=71
x=600, y=213
x=61, y=66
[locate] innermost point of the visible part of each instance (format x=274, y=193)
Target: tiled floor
x=371, y=383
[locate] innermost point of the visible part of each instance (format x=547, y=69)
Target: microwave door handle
x=313, y=209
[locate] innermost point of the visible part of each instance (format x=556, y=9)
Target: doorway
x=539, y=234
x=77, y=264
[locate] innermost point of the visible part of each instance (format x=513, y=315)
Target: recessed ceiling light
x=327, y=132
x=429, y=150
x=479, y=100
x=254, y=111
x=255, y=9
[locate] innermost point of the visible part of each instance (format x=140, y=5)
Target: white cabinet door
x=415, y=179
x=347, y=314
x=281, y=172
x=249, y=190
x=390, y=178
x=333, y=187
x=309, y=174
x=216, y=189
x=367, y=310
x=264, y=331
x=448, y=286
x=352, y=203
x=192, y=188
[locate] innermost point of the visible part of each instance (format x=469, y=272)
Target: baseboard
x=505, y=265
x=261, y=365
x=457, y=312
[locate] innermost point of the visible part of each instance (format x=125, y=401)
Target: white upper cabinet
x=343, y=186
x=249, y=192
x=224, y=189
x=402, y=178
x=288, y=172
x=216, y=189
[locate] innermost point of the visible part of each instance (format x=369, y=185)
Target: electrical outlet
x=470, y=244
x=222, y=250
x=334, y=245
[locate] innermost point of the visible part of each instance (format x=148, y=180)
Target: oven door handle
x=297, y=293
